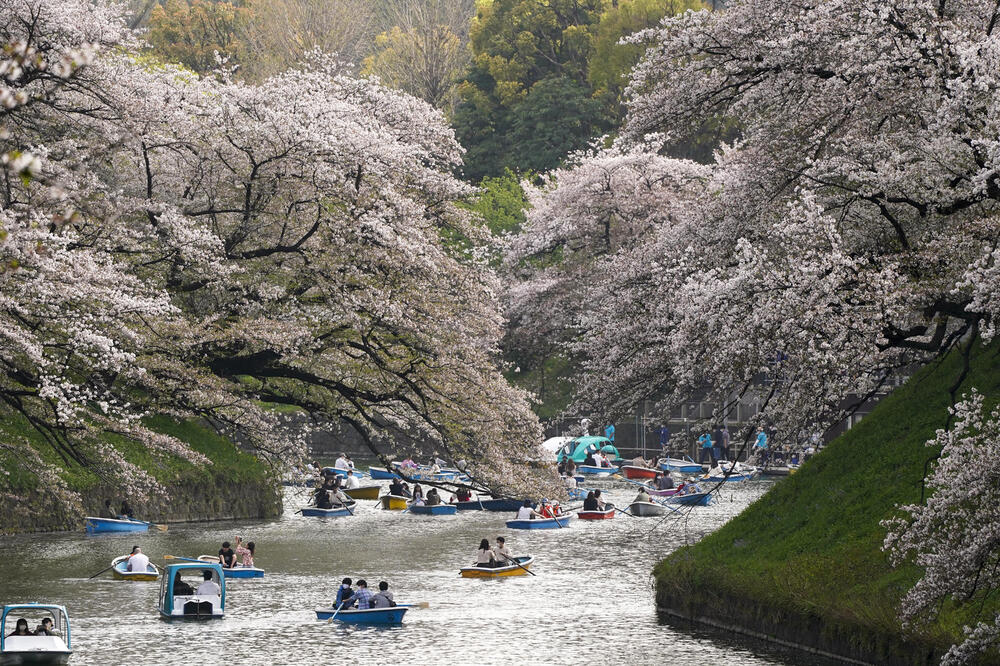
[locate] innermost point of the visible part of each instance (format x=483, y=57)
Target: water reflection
x=591, y=602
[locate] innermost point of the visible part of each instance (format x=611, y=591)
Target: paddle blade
x=421, y=604
x=162, y=528
x=170, y=557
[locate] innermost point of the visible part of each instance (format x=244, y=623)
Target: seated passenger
x=715, y=471
x=396, y=488
x=181, y=588
x=432, y=497
x=45, y=628
x=344, y=593
x=463, y=495
x=352, y=481
x=362, y=596
x=323, y=499
x=21, y=629
x=137, y=561
x=641, y=496
x=108, y=511
x=569, y=482
x=208, y=587
x=418, y=493
x=664, y=482
x=589, y=460
x=485, y=557
x=590, y=504
x=126, y=511
x=600, y=501
x=526, y=512
x=503, y=555
x=382, y=598
x=227, y=558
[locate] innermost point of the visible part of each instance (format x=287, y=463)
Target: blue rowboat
x=694, y=499
x=438, y=477
x=327, y=513
x=96, y=525
x=505, y=505
x=237, y=571
x=677, y=465
x=597, y=471
x=392, y=615
x=577, y=493
x=540, y=523
x=381, y=474
x=435, y=510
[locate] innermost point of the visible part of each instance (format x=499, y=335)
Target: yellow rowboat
x=393, y=502
x=364, y=492
x=119, y=570
x=495, y=572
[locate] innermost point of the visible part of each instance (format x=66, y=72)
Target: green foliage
x=611, y=62
x=546, y=77
x=501, y=203
x=558, y=116
x=813, y=543
x=228, y=461
x=550, y=379
x=190, y=31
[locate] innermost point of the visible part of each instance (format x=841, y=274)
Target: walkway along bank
x=803, y=565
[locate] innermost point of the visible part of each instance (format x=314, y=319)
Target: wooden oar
x=159, y=526
x=102, y=571
x=514, y=561
x=334, y=616
x=418, y=604
x=186, y=559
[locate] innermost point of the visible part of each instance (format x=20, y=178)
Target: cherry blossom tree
x=280, y=243
x=851, y=229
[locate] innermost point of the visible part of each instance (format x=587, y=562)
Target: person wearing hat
x=342, y=462
x=137, y=561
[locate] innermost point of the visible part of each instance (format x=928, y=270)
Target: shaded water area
x=591, y=601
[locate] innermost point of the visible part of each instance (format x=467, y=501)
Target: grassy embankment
x=804, y=563
x=232, y=480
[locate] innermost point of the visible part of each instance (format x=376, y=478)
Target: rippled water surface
x=590, y=603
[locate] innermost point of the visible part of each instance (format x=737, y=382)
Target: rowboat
x=394, y=502
x=119, y=570
x=35, y=649
x=647, y=509
x=381, y=474
x=393, y=615
x=594, y=470
x=693, y=499
x=607, y=514
x=434, y=510
x=677, y=465
x=336, y=512
x=496, y=572
x=577, y=493
x=636, y=472
x=95, y=525
x=235, y=571
x=505, y=505
x=179, y=599
x=364, y=492
x=540, y=523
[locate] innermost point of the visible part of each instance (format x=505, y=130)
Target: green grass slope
x=811, y=547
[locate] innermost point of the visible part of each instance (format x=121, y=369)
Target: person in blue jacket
x=706, y=447
x=760, y=446
x=609, y=432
